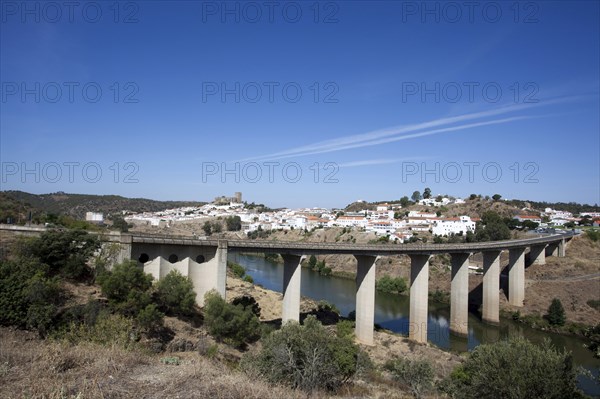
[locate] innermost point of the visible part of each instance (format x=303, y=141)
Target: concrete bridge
x=211, y=257
x=205, y=262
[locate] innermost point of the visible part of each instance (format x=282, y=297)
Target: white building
x=94, y=217
x=448, y=226
x=350, y=221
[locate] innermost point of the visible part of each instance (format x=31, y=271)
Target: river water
x=391, y=312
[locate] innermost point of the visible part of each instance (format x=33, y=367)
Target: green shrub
x=126, y=287
x=594, y=303
x=392, y=285
x=272, y=257
x=66, y=252
x=593, y=335
x=248, y=279
x=237, y=269
x=175, y=294
x=514, y=369
x=109, y=329
x=417, y=375
x=150, y=319
x=232, y=324
x=247, y=302
x=306, y=357
x=28, y=298
x=593, y=235
x=556, y=313
x=324, y=306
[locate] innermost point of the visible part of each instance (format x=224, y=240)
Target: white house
x=350, y=221
x=94, y=217
x=448, y=226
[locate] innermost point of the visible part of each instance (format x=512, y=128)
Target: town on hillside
x=397, y=222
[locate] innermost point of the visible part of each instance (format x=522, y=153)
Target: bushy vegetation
x=417, y=375
x=271, y=257
x=306, y=357
x=319, y=266
x=30, y=293
x=235, y=325
x=393, y=285
x=491, y=228
x=556, y=313
x=65, y=252
x=514, y=368
x=593, y=335
x=593, y=235
x=126, y=287
x=175, y=294
x=233, y=223
x=258, y=233
x=239, y=271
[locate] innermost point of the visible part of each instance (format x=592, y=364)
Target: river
x=391, y=312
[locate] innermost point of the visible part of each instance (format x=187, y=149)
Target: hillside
x=17, y=204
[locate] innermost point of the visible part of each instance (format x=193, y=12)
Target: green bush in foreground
x=233, y=324
x=416, y=374
x=175, y=294
x=307, y=357
x=514, y=369
x=126, y=287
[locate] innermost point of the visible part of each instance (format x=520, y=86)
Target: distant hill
x=475, y=207
x=18, y=204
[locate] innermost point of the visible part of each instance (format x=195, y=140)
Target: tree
x=515, y=369
x=234, y=223
x=126, y=287
x=556, y=313
x=120, y=224
x=312, y=261
x=491, y=228
x=175, y=294
x=472, y=197
x=416, y=196
x=217, y=227
x=496, y=197
x=66, y=252
x=233, y=324
x=404, y=201
x=427, y=193
x=207, y=227
x=439, y=198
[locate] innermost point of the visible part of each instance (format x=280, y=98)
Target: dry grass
x=33, y=368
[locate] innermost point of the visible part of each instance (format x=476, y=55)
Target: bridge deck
x=307, y=248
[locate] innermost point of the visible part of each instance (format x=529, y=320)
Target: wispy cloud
x=406, y=132
x=381, y=161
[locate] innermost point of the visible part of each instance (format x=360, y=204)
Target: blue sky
x=187, y=100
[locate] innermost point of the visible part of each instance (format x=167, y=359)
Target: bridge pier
x=552, y=249
x=419, y=290
x=491, y=285
x=562, y=247
x=459, y=294
x=291, y=288
x=516, y=276
x=365, y=298
x=537, y=254
x=219, y=276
